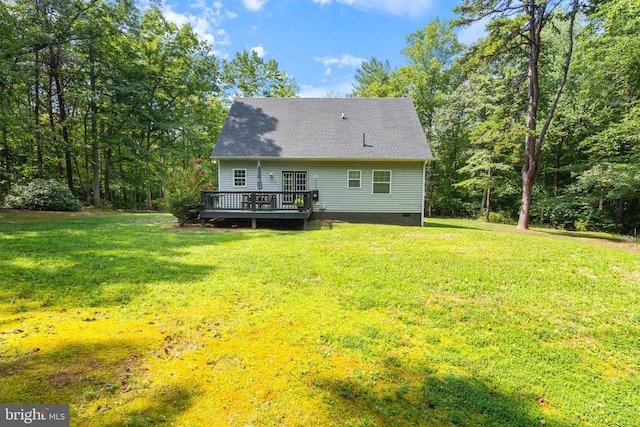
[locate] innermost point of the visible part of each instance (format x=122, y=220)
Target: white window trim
x=233, y=177
x=350, y=179
x=374, y=182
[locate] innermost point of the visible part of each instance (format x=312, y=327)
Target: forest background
x=113, y=101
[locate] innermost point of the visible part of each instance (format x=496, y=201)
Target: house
x=351, y=159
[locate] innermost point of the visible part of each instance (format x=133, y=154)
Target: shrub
x=42, y=195
x=500, y=218
x=185, y=207
x=183, y=192
x=159, y=205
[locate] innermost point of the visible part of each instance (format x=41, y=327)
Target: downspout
x=216, y=162
x=219, y=168
x=424, y=186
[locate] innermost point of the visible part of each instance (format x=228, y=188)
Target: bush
x=159, y=205
x=500, y=218
x=185, y=207
x=183, y=192
x=42, y=195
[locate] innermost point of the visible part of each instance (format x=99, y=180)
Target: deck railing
x=256, y=200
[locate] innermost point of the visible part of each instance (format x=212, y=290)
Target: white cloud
x=344, y=60
x=222, y=38
x=175, y=17
x=254, y=5
x=259, y=50
x=330, y=62
x=205, y=21
x=201, y=26
x=414, y=8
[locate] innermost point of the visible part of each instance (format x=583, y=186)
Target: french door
x=294, y=181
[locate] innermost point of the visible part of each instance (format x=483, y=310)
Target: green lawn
x=135, y=322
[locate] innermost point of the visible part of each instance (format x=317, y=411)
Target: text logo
x=34, y=415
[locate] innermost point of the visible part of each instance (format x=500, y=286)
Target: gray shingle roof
x=308, y=128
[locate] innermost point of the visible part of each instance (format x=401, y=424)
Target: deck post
x=253, y=223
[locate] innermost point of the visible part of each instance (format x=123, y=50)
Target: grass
x=135, y=322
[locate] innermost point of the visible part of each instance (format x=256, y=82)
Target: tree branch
x=565, y=73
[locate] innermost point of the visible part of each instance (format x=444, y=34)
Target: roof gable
x=322, y=128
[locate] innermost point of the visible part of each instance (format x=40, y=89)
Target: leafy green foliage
x=138, y=96
x=143, y=96
x=589, y=159
x=247, y=75
x=42, y=195
x=183, y=191
x=595, y=146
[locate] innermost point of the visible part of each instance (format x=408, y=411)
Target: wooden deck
x=255, y=205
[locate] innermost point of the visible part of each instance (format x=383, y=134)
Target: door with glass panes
x=294, y=181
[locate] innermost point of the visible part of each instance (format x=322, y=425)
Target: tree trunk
x=527, y=195
x=5, y=148
x=62, y=114
x=95, y=149
x=530, y=168
x=488, y=211
x=147, y=172
x=556, y=171
x=619, y=214
x=490, y=183
x=52, y=122
x=429, y=189
x=107, y=176
x=533, y=141
x=6, y=161
x=601, y=200
x=36, y=114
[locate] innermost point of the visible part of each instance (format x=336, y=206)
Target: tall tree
x=430, y=75
x=247, y=75
x=374, y=78
x=112, y=100
x=488, y=161
x=101, y=28
x=9, y=80
x=521, y=23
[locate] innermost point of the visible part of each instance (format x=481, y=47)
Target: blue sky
x=320, y=43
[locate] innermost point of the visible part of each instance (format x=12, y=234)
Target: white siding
x=330, y=179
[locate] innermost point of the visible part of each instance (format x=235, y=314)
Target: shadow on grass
x=167, y=404
x=97, y=260
x=433, y=400
x=97, y=380
x=269, y=224
x=436, y=223
x=589, y=235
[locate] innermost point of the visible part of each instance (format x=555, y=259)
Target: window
x=353, y=180
x=239, y=177
x=381, y=182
